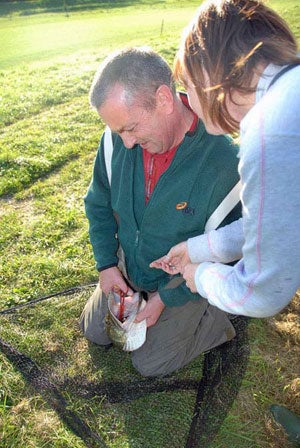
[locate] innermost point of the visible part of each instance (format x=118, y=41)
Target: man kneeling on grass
x=167, y=177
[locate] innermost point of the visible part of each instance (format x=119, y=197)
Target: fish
x=126, y=334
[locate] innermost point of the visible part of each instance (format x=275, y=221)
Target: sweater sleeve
x=266, y=278
x=102, y=224
x=223, y=245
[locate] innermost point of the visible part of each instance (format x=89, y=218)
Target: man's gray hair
x=140, y=70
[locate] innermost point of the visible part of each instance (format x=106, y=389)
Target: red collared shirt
x=156, y=164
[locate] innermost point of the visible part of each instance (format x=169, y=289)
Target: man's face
x=135, y=124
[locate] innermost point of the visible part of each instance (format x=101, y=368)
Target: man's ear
x=164, y=99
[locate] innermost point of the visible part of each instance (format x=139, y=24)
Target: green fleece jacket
x=203, y=171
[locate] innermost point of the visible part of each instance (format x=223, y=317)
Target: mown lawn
x=48, y=139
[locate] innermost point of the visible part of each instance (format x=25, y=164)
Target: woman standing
x=238, y=61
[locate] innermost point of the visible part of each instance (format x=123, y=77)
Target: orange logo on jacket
x=181, y=205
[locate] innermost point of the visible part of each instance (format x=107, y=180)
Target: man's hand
x=152, y=310
x=112, y=279
x=175, y=260
x=189, y=275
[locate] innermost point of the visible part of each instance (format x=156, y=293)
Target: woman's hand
x=189, y=275
x=175, y=260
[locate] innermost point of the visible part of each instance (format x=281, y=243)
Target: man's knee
x=148, y=371
x=149, y=366
x=93, y=332
x=92, y=319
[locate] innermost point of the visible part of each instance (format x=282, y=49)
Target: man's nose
x=128, y=140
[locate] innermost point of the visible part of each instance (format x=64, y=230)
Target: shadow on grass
x=192, y=422
x=24, y=8
x=30, y=174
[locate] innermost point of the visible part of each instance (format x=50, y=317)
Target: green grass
x=48, y=139
x=41, y=37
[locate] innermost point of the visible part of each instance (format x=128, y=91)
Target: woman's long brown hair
x=227, y=42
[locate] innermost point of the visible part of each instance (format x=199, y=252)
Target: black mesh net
x=216, y=386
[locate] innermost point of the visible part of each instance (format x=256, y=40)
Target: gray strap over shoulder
x=108, y=151
x=223, y=209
